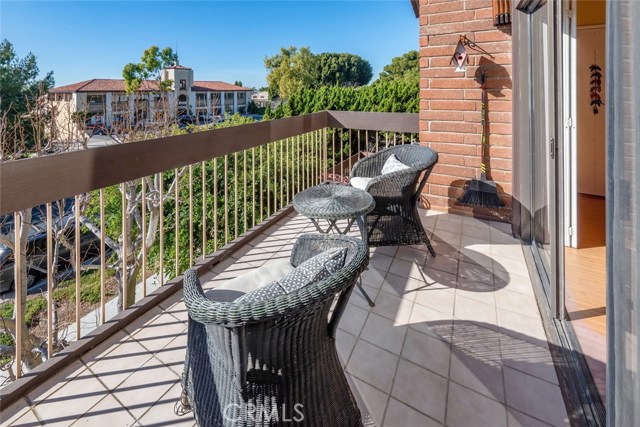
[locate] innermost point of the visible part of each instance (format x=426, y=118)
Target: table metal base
x=333, y=225
x=364, y=293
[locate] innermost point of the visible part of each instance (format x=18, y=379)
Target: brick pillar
x=450, y=101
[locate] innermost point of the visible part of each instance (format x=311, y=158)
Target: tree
x=238, y=83
x=405, y=67
x=290, y=70
x=20, y=88
x=396, y=96
x=342, y=69
x=152, y=62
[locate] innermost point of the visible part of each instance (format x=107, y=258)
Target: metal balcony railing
x=150, y=210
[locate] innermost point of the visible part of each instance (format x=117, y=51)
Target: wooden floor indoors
x=585, y=272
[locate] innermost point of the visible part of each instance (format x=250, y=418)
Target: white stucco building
x=106, y=103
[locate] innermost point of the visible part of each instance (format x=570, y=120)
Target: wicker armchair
x=247, y=362
x=395, y=219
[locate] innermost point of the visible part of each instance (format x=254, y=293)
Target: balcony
x=453, y=340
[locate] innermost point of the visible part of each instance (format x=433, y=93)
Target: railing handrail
x=31, y=182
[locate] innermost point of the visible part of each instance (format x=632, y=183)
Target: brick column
x=450, y=101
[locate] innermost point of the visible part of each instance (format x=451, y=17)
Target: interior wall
x=590, y=125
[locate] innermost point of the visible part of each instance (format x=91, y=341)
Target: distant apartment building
x=105, y=102
x=261, y=98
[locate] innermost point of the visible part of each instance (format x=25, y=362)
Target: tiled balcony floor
x=454, y=340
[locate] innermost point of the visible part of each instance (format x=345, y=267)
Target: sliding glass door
x=543, y=147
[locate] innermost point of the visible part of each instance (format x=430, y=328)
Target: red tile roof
x=117, y=85
x=201, y=85
x=103, y=85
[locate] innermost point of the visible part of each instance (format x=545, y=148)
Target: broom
x=482, y=192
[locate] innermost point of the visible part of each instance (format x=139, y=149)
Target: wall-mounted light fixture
x=460, y=57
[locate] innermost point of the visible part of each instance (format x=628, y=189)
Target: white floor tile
x=371, y=401
x=373, y=365
x=353, y=319
x=401, y=415
x=520, y=390
x=401, y=286
x=384, y=333
x=392, y=307
x=427, y=351
x=466, y=408
x=437, y=299
x=421, y=389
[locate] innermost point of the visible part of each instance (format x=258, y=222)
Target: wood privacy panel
x=501, y=12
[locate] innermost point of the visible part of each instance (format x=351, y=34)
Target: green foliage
x=6, y=339
x=238, y=83
x=19, y=81
x=405, y=67
x=342, y=69
x=295, y=69
x=89, y=288
x=34, y=307
x=397, y=96
x=152, y=62
x=289, y=71
x=20, y=86
x=254, y=109
x=6, y=310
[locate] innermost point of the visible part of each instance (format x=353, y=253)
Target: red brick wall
x=450, y=106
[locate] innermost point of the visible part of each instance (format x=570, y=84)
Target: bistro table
x=333, y=202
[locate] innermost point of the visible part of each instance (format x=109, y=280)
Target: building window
x=228, y=96
x=95, y=99
x=201, y=100
x=183, y=84
x=63, y=97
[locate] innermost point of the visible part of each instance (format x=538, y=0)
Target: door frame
x=569, y=114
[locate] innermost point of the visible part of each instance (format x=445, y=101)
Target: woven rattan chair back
x=395, y=219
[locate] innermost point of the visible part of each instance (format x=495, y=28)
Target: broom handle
x=483, y=166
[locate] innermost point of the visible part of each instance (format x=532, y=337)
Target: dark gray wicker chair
x=247, y=360
x=395, y=219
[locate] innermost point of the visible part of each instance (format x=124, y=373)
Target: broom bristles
x=487, y=197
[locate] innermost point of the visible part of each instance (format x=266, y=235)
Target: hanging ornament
x=596, y=87
x=460, y=56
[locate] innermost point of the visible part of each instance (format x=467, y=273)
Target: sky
x=220, y=40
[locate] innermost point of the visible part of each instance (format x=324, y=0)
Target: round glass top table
x=332, y=202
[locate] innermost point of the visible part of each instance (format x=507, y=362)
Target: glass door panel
x=543, y=125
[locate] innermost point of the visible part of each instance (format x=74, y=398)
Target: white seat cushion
x=252, y=280
x=307, y=273
x=359, y=182
x=393, y=165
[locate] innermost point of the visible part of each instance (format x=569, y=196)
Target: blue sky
x=220, y=40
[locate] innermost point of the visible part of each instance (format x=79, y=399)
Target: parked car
x=204, y=119
x=37, y=248
x=98, y=130
x=185, y=120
